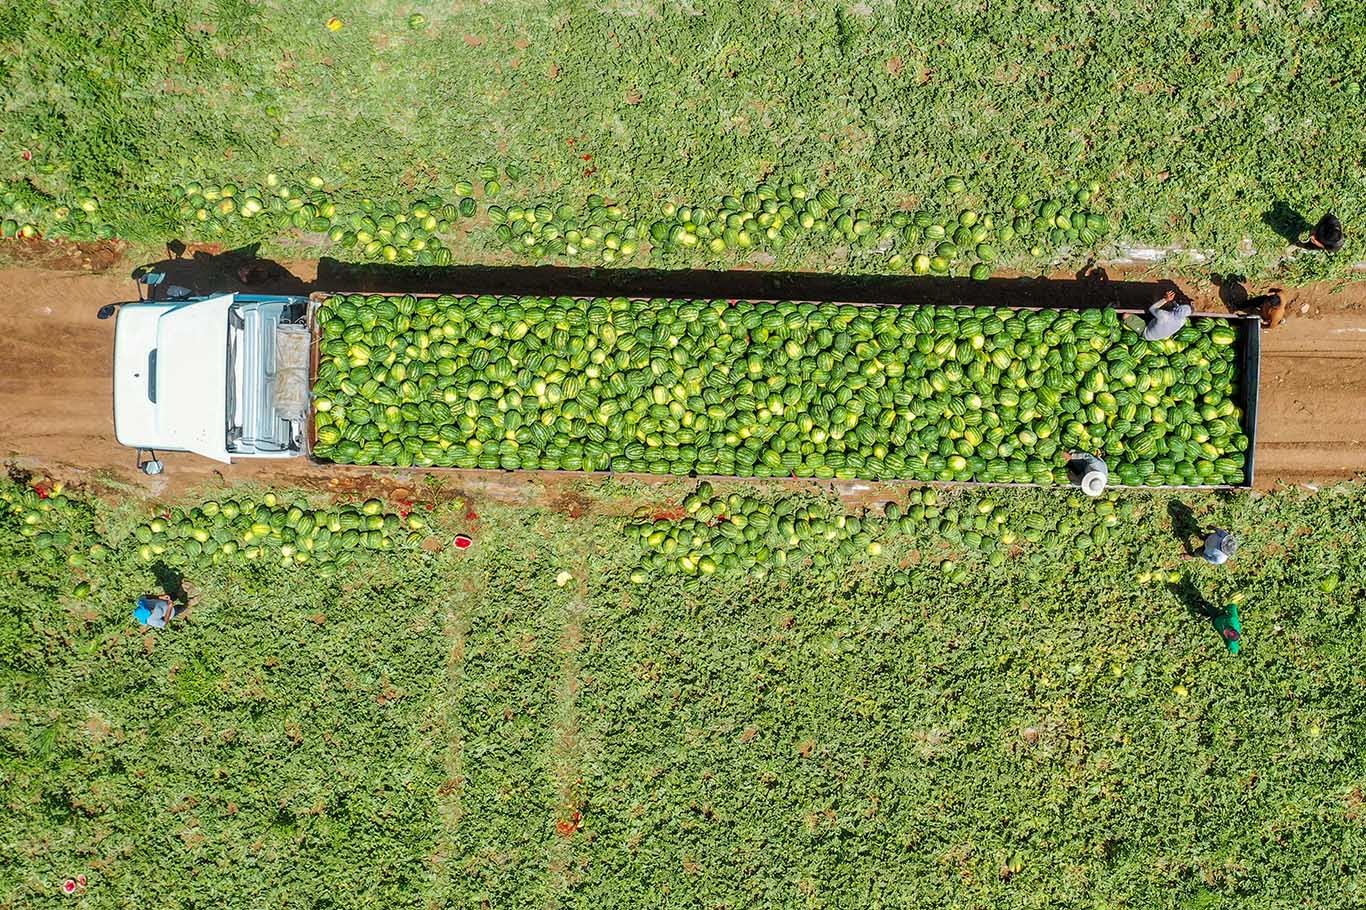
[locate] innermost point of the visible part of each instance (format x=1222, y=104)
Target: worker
x=1227, y=624
x=156, y=610
x=1327, y=234
x=1269, y=306
x=1088, y=472
x=1220, y=547
x=1163, y=323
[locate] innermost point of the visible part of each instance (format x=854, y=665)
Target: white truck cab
x=225, y=377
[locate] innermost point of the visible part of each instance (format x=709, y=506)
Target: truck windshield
x=234, y=366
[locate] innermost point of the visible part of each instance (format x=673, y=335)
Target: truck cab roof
x=205, y=376
x=171, y=376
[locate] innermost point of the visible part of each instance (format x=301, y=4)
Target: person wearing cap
x=156, y=610
x=1220, y=547
x=1088, y=472
x=1327, y=235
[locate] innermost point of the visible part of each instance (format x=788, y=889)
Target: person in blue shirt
x=156, y=610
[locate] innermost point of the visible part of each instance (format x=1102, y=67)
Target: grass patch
x=1205, y=127
x=478, y=729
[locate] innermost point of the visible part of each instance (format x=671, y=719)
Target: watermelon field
x=830, y=628
x=940, y=139
x=536, y=721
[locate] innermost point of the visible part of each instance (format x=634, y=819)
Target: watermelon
x=296, y=534
x=659, y=386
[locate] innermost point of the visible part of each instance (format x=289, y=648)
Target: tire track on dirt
x=568, y=748
x=450, y=809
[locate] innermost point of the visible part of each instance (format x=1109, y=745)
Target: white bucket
x=1093, y=484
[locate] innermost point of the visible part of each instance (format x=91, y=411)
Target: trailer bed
x=1248, y=346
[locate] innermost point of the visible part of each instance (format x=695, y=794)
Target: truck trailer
x=230, y=377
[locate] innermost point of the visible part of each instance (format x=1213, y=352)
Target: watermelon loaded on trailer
x=954, y=394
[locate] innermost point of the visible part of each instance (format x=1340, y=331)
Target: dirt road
x=56, y=407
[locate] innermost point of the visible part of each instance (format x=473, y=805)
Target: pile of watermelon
x=986, y=526
x=38, y=514
x=290, y=533
x=27, y=213
x=778, y=212
x=977, y=238
x=942, y=237
x=739, y=531
x=410, y=233
x=769, y=389
x=597, y=229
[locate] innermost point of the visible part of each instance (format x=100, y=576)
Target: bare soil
x=56, y=410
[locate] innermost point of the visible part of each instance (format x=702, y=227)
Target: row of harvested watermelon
x=775, y=213
x=290, y=533
x=780, y=212
x=756, y=535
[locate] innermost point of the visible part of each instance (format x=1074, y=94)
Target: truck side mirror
x=152, y=466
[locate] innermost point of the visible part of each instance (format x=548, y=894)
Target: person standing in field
x=1327, y=235
x=1220, y=547
x=1228, y=625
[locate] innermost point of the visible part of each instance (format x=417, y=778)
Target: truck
x=229, y=377
x=223, y=376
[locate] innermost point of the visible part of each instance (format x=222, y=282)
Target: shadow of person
x=1232, y=290
x=1285, y=221
x=1095, y=283
x=171, y=581
x=1184, y=526
x=202, y=273
x=1185, y=591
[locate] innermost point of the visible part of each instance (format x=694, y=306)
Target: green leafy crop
x=1206, y=126
x=538, y=720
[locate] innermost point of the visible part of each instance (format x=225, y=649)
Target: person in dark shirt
x=1327, y=234
x=1269, y=306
